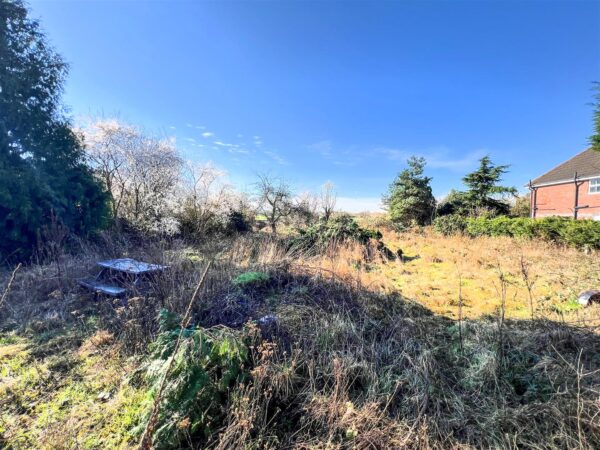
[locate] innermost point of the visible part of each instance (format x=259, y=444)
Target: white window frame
x=594, y=186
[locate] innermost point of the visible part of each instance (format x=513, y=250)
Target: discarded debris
x=587, y=297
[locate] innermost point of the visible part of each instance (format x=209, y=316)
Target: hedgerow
x=450, y=224
x=562, y=230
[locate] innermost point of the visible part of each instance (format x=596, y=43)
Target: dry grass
x=436, y=268
x=362, y=354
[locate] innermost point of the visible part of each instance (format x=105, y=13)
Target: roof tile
x=586, y=164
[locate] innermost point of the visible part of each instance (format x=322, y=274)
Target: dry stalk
x=524, y=265
x=502, y=289
x=8, y=286
x=460, y=311
x=146, y=441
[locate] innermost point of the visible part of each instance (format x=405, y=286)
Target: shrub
x=237, y=222
x=450, y=224
x=207, y=364
x=582, y=233
x=562, y=230
x=251, y=279
x=339, y=229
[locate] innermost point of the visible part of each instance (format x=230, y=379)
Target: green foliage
x=595, y=138
x=237, y=222
x=54, y=386
x=251, y=279
x=483, y=189
x=582, y=233
x=454, y=203
x=562, y=230
x=207, y=364
x=199, y=224
x=42, y=170
x=338, y=229
x=450, y=224
x=409, y=199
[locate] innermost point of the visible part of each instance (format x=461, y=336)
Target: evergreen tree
x=409, y=200
x=484, y=191
x=453, y=203
x=42, y=170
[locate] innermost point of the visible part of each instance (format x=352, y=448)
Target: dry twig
x=8, y=286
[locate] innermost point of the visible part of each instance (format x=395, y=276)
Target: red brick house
x=570, y=189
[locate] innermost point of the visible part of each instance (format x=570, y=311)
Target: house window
x=595, y=186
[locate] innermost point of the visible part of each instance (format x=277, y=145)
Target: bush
x=449, y=225
x=251, y=279
x=337, y=230
x=207, y=364
x=197, y=225
x=237, y=222
x=562, y=230
x=582, y=233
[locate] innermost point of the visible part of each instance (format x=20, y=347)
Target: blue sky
x=340, y=91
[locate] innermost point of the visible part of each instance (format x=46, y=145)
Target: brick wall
x=559, y=200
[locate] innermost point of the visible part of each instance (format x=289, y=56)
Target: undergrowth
x=338, y=230
x=207, y=364
x=309, y=358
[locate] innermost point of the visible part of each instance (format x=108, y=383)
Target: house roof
x=586, y=164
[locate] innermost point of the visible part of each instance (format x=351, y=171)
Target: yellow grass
x=438, y=269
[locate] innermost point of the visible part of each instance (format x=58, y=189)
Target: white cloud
x=190, y=139
x=197, y=127
x=223, y=144
x=322, y=147
x=276, y=157
x=359, y=204
x=207, y=134
x=345, y=157
x=436, y=159
x=231, y=148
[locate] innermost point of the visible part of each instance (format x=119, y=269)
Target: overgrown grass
x=286, y=350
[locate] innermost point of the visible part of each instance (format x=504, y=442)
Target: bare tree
x=107, y=144
x=207, y=198
x=274, y=199
x=305, y=209
x=141, y=172
x=328, y=200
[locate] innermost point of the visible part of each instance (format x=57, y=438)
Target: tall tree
x=409, y=200
x=595, y=138
x=484, y=193
x=274, y=199
x=42, y=168
x=140, y=171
